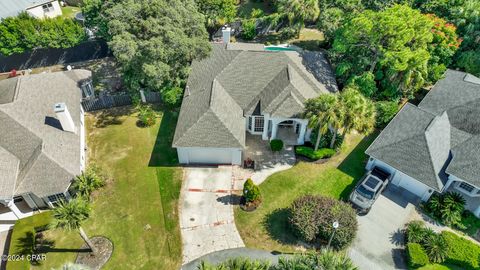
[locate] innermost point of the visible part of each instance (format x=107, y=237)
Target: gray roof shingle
x=439, y=137
x=9, y=8
x=48, y=157
x=232, y=83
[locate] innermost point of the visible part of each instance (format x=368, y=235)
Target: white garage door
x=413, y=186
x=200, y=155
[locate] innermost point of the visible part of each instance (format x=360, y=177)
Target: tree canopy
x=395, y=45
x=299, y=11
x=217, y=12
x=24, y=33
x=154, y=41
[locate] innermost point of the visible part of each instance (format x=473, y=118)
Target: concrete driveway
x=206, y=211
x=380, y=240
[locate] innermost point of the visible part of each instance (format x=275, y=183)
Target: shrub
x=436, y=248
x=326, y=140
x=251, y=192
x=416, y=255
x=314, y=155
x=461, y=251
x=447, y=207
x=311, y=218
x=146, y=116
x=415, y=231
x=365, y=83
x=249, y=30
x=87, y=182
x=172, y=95
x=386, y=110
x=276, y=145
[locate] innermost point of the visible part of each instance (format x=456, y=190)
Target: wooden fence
x=110, y=101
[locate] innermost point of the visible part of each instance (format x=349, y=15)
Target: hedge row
x=417, y=257
x=461, y=251
x=314, y=155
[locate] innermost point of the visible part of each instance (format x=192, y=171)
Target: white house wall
x=209, y=155
x=39, y=13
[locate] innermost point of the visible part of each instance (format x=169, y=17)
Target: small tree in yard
x=276, y=145
x=87, y=182
x=71, y=215
x=146, y=116
x=251, y=192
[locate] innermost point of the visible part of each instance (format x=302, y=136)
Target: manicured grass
x=443, y=266
x=267, y=227
x=137, y=210
x=69, y=12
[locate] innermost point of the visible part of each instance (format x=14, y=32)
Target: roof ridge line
x=430, y=157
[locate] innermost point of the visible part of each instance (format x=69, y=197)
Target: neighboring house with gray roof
x=36, y=8
x=435, y=146
x=242, y=88
x=42, y=139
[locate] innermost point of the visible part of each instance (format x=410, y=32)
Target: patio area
x=287, y=135
x=266, y=161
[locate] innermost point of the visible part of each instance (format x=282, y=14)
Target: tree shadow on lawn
x=163, y=154
x=354, y=164
x=278, y=228
x=105, y=118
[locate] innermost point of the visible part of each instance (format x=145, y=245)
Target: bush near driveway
x=312, y=154
x=416, y=255
x=312, y=218
x=268, y=227
x=276, y=145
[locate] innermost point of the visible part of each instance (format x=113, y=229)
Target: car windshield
x=365, y=192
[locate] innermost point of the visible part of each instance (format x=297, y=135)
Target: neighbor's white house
x=36, y=8
x=435, y=146
x=242, y=89
x=42, y=141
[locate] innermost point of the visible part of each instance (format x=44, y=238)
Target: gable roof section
x=230, y=84
x=48, y=157
x=444, y=130
x=7, y=90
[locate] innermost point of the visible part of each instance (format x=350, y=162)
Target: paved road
x=206, y=212
x=380, y=240
x=220, y=256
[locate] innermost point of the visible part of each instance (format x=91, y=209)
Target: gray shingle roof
x=48, y=156
x=7, y=90
x=10, y=8
x=240, y=81
x=437, y=138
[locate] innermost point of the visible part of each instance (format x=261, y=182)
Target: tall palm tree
x=437, y=248
x=71, y=215
x=330, y=260
x=322, y=112
x=359, y=112
x=299, y=11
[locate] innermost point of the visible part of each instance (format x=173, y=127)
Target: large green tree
x=299, y=11
x=24, y=33
x=217, y=12
x=359, y=111
x=392, y=44
x=153, y=40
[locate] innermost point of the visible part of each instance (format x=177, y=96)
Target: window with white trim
x=259, y=123
x=48, y=7
x=466, y=187
x=56, y=198
x=249, y=123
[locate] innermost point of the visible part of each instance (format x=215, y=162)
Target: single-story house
x=241, y=88
x=36, y=8
x=42, y=140
x=435, y=146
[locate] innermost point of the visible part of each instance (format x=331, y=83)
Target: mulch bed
x=248, y=207
x=96, y=261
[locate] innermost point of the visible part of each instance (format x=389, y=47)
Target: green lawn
x=267, y=227
x=69, y=12
x=137, y=210
x=440, y=267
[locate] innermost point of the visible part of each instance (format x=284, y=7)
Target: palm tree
x=325, y=260
x=87, y=182
x=359, y=111
x=299, y=11
x=323, y=112
x=71, y=215
x=437, y=248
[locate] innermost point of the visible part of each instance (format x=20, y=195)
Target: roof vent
x=64, y=117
